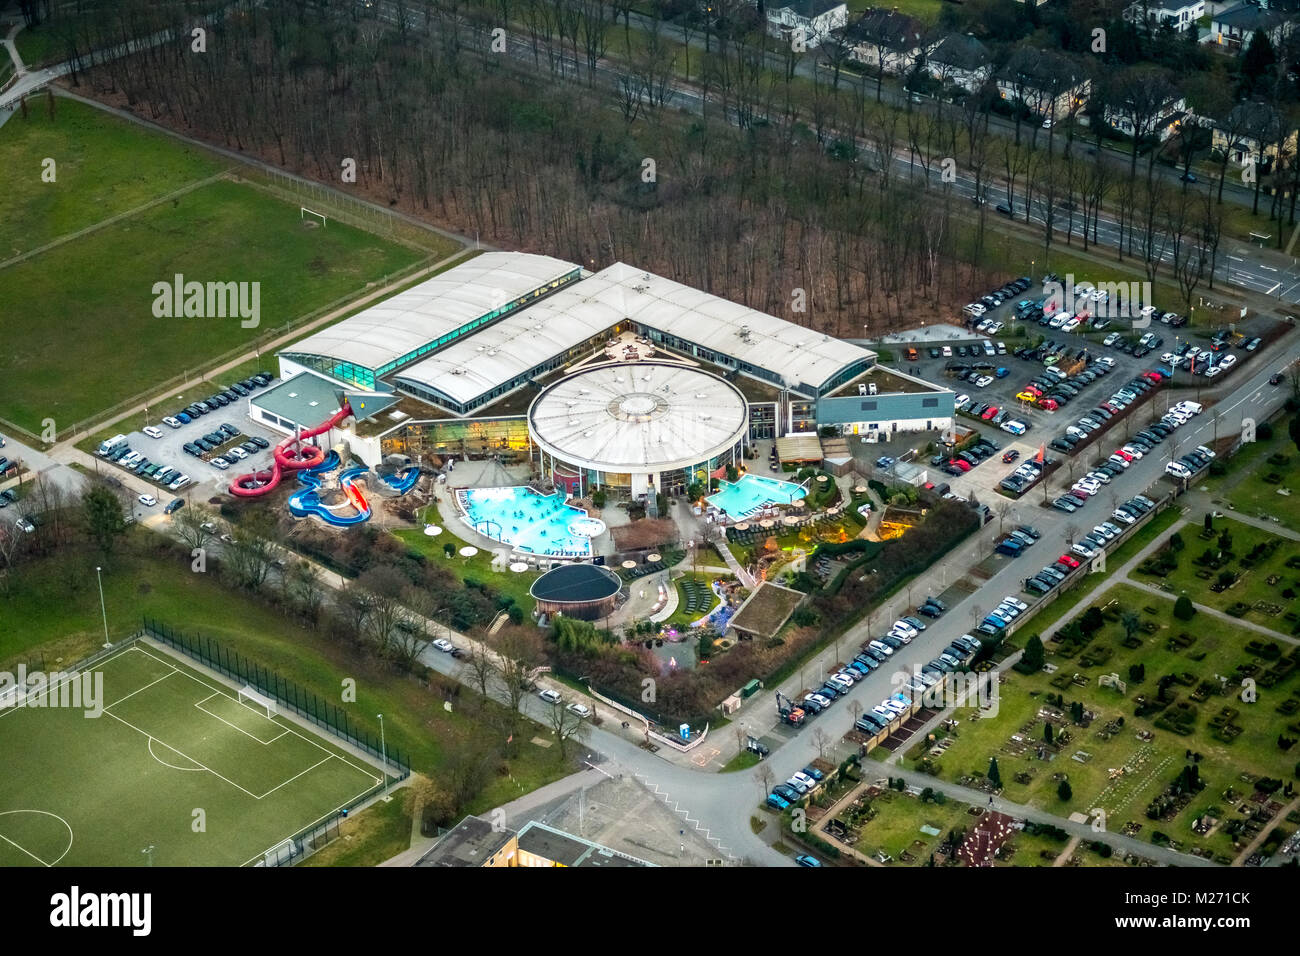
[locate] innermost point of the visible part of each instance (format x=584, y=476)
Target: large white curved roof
x=424, y=313
x=638, y=417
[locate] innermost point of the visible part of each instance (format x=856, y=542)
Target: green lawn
x=377, y=833
x=52, y=614
x=1250, y=588
x=1123, y=773
x=38, y=45
x=222, y=232
x=896, y=826
x=478, y=567
x=104, y=166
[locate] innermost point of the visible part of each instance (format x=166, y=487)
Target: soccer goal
x=257, y=700
x=304, y=212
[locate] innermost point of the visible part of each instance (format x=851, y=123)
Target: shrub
x=1218, y=469
x=1184, y=610
x=1264, y=431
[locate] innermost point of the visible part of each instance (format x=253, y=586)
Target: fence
x=304, y=703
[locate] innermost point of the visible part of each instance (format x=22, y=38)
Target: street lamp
x=102, y=609
x=148, y=851
x=383, y=751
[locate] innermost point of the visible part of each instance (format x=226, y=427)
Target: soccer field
x=174, y=762
x=79, y=321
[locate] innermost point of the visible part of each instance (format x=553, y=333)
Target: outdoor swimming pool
x=530, y=522
x=751, y=493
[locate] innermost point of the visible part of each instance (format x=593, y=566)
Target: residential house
x=885, y=40
x=961, y=60
x=1232, y=28
x=1179, y=14
x=475, y=842
x=1250, y=133
x=1163, y=124
x=1048, y=83
x=811, y=21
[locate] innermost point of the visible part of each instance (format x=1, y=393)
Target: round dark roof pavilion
x=576, y=584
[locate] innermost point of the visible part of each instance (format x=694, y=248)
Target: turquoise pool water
x=751, y=493
x=528, y=521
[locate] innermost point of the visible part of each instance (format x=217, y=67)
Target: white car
x=1013, y=426
x=1111, y=339
x=905, y=628
x=961, y=402
x=238, y=452
x=147, y=500
x=1133, y=450
x=984, y=381
x=1214, y=370
x=1170, y=359
x=1016, y=603
x=1228, y=361
x=1147, y=311
x=180, y=481
x=1189, y=407
x=151, y=431
x=974, y=308
x=806, y=780
x=1207, y=451
x=1099, y=295
x=1070, y=324
x=1007, y=611
x=1105, y=532
x=1107, y=360
x=947, y=351
x=172, y=422
x=550, y=696
x=880, y=646
x=131, y=459
x=994, y=328
x=582, y=710
x=1178, y=470
x=1122, y=516
x=1084, y=550
x=446, y=647
x=1099, y=476
x=1119, y=460
x=1060, y=319
x=219, y=463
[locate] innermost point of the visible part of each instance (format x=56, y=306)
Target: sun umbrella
x=468, y=551
x=798, y=503
x=652, y=556
x=860, y=489
x=518, y=566
x=743, y=526
x=766, y=523
x=790, y=519
x=432, y=530
x=629, y=565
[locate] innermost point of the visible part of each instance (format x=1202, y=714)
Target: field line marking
x=264, y=743
x=307, y=828
x=171, y=766
x=44, y=813
x=184, y=754
x=145, y=687
x=24, y=849
x=328, y=757
x=287, y=726
x=70, y=676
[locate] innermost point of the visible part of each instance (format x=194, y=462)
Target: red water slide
x=259, y=483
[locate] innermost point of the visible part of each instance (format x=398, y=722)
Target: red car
x=959, y=463
x=1050, y=404
x=990, y=412
x=1123, y=454
x=1155, y=378
x=1066, y=559
x=1033, y=390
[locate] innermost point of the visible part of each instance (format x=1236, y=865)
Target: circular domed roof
x=575, y=584
x=639, y=416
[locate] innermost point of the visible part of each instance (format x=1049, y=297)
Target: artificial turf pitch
x=175, y=762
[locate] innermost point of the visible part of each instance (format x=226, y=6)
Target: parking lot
x=205, y=478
